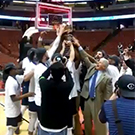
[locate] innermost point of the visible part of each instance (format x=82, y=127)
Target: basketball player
x=43, y=57
x=13, y=97
x=32, y=109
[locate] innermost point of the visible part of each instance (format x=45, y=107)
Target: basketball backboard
x=48, y=15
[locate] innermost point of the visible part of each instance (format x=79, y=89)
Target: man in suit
x=96, y=89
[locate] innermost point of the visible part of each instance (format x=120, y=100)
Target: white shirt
x=25, y=62
x=75, y=75
x=127, y=71
x=52, y=130
x=113, y=73
x=39, y=70
x=31, y=66
x=13, y=87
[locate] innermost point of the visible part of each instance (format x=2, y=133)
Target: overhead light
x=15, y=1
x=89, y=19
x=76, y=3
x=102, y=7
x=30, y=2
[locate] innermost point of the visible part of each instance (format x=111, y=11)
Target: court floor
x=24, y=125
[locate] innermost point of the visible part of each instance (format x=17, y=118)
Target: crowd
x=59, y=80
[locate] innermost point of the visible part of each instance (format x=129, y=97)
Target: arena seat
x=86, y=38
x=6, y=59
x=9, y=39
x=125, y=37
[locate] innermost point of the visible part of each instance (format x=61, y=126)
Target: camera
x=131, y=48
x=120, y=48
x=62, y=60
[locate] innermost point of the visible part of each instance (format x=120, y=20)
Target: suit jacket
x=103, y=87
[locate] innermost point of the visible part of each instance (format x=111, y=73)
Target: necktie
x=93, y=83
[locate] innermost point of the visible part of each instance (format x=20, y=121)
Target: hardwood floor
x=24, y=126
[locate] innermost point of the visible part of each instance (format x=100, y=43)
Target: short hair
x=105, y=62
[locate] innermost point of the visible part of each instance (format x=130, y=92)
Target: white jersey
x=31, y=66
x=39, y=70
x=25, y=62
x=13, y=87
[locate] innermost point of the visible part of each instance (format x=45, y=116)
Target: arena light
x=18, y=18
x=30, y=2
x=105, y=18
x=16, y=1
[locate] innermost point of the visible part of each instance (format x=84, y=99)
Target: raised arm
x=92, y=59
x=55, y=44
x=83, y=54
x=40, y=39
x=72, y=52
x=63, y=48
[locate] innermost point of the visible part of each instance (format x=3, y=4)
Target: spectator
x=129, y=61
x=120, y=113
x=125, y=69
x=13, y=97
x=114, y=60
x=101, y=54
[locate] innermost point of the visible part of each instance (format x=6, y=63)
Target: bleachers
x=4, y=59
x=9, y=41
x=125, y=37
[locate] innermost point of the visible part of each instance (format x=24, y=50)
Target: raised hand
x=76, y=42
x=61, y=29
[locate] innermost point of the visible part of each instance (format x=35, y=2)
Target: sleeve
x=55, y=45
x=109, y=89
x=19, y=78
x=102, y=115
x=27, y=70
x=46, y=74
x=84, y=57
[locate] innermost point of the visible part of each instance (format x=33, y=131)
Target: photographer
x=119, y=112
x=54, y=103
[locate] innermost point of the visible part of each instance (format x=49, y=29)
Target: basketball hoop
x=52, y=16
